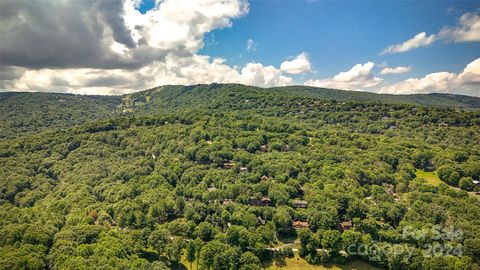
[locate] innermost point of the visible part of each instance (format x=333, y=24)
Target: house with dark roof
x=265, y=201
x=254, y=202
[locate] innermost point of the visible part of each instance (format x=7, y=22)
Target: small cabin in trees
x=264, y=178
x=211, y=189
x=297, y=224
x=254, y=202
x=345, y=225
x=228, y=165
x=243, y=170
x=263, y=148
x=227, y=201
x=265, y=201
x=300, y=203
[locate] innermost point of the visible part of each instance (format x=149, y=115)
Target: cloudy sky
x=113, y=47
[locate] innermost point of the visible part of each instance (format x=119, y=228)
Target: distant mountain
x=179, y=96
x=31, y=112
x=435, y=99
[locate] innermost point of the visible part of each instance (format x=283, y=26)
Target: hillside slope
x=238, y=171
x=209, y=94
x=435, y=99
x=32, y=112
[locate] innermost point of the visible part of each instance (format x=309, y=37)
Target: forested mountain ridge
x=434, y=99
x=201, y=94
x=22, y=113
x=222, y=176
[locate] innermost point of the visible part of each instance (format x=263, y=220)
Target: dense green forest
x=23, y=113
x=31, y=112
x=238, y=177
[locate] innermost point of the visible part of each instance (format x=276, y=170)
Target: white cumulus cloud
x=395, y=70
x=257, y=74
x=134, y=51
x=466, y=30
x=299, y=64
x=181, y=23
x=420, y=40
x=359, y=77
x=173, y=70
x=467, y=82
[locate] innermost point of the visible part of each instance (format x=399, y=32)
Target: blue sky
x=338, y=35
x=114, y=47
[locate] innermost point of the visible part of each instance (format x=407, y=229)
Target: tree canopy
x=221, y=174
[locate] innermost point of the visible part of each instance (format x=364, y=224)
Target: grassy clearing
x=297, y=263
x=185, y=265
x=430, y=177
